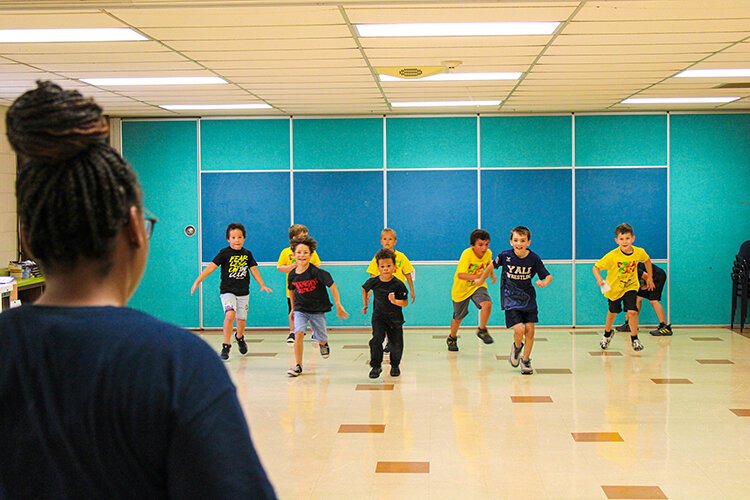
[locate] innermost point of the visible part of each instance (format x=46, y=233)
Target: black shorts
x=515, y=316
x=629, y=299
x=654, y=294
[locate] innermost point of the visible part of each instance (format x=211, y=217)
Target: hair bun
x=49, y=123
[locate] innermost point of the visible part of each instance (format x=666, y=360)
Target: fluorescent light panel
x=176, y=80
x=431, y=104
x=679, y=100
x=457, y=29
x=70, y=35
x=198, y=107
x=453, y=77
x=714, y=73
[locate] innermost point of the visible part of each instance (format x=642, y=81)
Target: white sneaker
x=294, y=372
x=637, y=345
x=526, y=368
x=604, y=342
x=290, y=338
x=515, y=354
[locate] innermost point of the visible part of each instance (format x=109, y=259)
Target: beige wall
x=8, y=234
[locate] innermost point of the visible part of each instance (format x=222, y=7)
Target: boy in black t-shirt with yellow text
x=390, y=296
x=235, y=263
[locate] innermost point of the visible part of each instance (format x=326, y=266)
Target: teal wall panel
x=338, y=143
x=555, y=301
x=527, y=141
x=621, y=140
x=591, y=306
x=431, y=142
x=710, y=207
x=164, y=154
x=244, y=144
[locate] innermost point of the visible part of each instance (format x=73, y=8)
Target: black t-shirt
x=235, y=270
x=660, y=277
x=310, y=294
x=382, y=307
x=108, y=402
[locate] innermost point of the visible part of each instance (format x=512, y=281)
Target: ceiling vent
x=416, y=72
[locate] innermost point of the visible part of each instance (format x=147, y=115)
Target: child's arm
x=365, y=300
x=650, y=278
x=340, y=311
x=478, y=280
x=256, y=274
x=546, y=281
x=287, y=268
x=397, y=302
x=211, y=267
x=598, y=275
x=410, y=281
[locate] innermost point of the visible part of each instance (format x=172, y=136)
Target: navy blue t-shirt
x=516, y=288
x=235, y=270
x=108, y=402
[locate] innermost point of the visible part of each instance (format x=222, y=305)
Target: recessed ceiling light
x=185, y=107
x=432, y=104
x=452, y=77
x=679, y=100
x=70, y=35
x=457, y=29
x=176, y=80
x=713, y=73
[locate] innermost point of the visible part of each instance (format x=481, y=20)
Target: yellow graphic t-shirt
x=286, y=257
x=622, y=271
x=469, y=264
x=403, y=267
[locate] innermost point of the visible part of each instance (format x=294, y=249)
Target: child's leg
x=241, y=323
x=610, y=321
x=659, y=310
x=300, y=324
x=228, y=324
x=529, y=340
x=484, y=314
x=518, y=334
x=455, y=323
x=396, y=338
x=376, y=343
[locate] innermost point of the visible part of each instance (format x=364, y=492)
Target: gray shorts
x=461, y=309
x=238, y=304
x=317, y=323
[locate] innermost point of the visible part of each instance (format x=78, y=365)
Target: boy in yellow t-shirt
x=287, y=262
x=622, y=283
x=468, y=286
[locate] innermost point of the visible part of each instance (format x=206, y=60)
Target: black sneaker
x=225, y=351
x=526, y=368
x=375, y=372
x=241, y=343
x=452, y=343
x=662, y=331
x=625, y=327
x=387, y=347
x=325, y=351
x=515, y=355
x=395, y=371
x=294, y=372
x=482, y=334
x=290, y=338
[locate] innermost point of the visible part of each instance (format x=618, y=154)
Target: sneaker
x=325, y=351
x=375, y=372
x=625, y=327
x=604, y=342
x=482, y=334
x=662, y=331
x=395, y=371
x=387, y=347
x=515, y=355
x=526, y=368
x=225, y=351
x=241, y=344
x=294, y=372
x=290, y=338
x=452, y=343
x=637, y=346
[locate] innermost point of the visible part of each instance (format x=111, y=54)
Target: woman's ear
x=136, y=229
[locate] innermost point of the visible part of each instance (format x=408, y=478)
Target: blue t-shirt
x=108, y=402
x=516, y=289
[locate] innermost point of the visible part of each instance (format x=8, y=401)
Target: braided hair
x=74, y=191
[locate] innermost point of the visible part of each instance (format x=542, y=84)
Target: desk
x=29, y=290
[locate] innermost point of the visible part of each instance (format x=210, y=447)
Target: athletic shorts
x=654, y=294
x=461, y=309
x=629, y=300
x=238, y=304
x=317, y=322
x=515, y=316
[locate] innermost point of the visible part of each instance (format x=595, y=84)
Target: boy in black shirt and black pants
x=654, y=297
x=390, y=296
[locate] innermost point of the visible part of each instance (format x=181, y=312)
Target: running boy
x=286, y=263
x=387, y=318
x=235, y=263
x=517, y=294
x=310, y=300
x=653, y=296
x=621, y=265
x=467, y=287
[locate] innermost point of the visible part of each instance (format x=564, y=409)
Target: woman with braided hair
x=98, y=400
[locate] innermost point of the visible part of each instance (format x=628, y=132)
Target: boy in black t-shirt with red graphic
x=310, y=301
x=235, y=263
x=390, y=296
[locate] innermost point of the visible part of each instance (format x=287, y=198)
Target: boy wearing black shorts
x=654, y=297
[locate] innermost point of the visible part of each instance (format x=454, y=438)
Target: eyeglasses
x=149, y=220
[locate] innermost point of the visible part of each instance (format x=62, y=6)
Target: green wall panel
x=432, y=142
x=527, y=141
x=621, y=140
x=244, y=144
x=338, y=143
x=164, y=153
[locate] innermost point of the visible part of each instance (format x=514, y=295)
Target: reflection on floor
x=670, y=421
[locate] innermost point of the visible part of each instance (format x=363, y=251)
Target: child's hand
x=193, y=288
x=650, y=284
x=364, y=309
x=600, y=282
x=391, y=297
x=341, y=312
x=413, y=297
x=540, y=283
x=493, y=278
x=264, y=288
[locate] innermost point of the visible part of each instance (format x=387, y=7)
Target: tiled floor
x=668, y=422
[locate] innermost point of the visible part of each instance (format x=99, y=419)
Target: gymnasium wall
x=681, y=180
